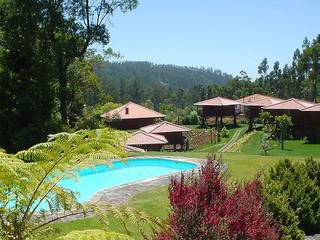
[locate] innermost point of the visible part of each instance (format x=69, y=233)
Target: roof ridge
x=274, y=104
x=159, y=124
x=149, y=126
x=123, y=106
x=315, y=105
x=177, y=125
x=297, y=101
x=147, y=108
x=150, y=135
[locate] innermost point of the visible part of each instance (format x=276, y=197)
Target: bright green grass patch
x=154, y=202
x=291, y=148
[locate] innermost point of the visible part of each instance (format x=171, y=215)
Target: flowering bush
x=202, y=207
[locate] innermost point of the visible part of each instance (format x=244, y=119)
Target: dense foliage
x=203, y=207
x=30, y=178
x=31, y=197
x=292, y=190
x=44, y=72
x=118, y=73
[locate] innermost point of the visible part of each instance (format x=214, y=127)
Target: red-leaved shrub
x=202, y=207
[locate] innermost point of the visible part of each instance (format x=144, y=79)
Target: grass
x=242, y=166
x=291, y=148
x=154, y=202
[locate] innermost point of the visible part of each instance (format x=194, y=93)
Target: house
x=252, y=105
x=219, y=107
x=312, y=122
x=131, y=116
x=174, y=134
x=146, y=141
x=292, y=107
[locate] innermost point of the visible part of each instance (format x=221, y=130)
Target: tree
x=283, y=124
x=262, y=71
x=26, y=84
x=310, y=62
x=76, y=26
x=30, y=178
x=266, y=118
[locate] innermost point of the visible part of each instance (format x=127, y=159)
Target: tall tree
x=26, y=87
x=310, y=61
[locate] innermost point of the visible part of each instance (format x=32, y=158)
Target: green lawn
x=291, y=148
x=154, y=202
x=242, y=166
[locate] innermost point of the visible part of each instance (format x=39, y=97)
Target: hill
x=149, y=74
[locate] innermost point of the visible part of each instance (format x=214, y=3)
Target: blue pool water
x=102, y=177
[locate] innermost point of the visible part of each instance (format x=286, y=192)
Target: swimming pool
x=132, y=170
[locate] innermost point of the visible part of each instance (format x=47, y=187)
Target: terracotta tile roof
x=218, y=101
x=259, y=100
x=144, y=138
x=164, y=127
x=315, y=108
x=290, y=104
x=132, y=111
x=252, y=98
x=133, y=149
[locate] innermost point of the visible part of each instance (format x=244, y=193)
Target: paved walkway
x=231, y=142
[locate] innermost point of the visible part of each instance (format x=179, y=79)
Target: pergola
x=132, y=116
x=252, y=105
x=312, y=122
x=292, y=107
x=172, y=132
x=219, y=107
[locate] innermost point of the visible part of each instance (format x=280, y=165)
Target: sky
x=222, y=34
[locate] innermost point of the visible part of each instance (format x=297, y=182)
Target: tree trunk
x=282, y=140
x=62, y=71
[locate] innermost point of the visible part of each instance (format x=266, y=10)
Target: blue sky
x=228, y=35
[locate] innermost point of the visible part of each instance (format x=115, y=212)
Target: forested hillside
x=149, y=73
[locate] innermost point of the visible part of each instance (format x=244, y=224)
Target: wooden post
x=216, y=124
x=221, y=122
x=234, y=119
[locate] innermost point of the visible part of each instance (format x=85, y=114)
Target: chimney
x=127, y=110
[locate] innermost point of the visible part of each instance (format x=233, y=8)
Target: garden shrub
x=293, y=192
x=192, y=118
x=224, y=132
x=265, y=144
x=203, y=207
